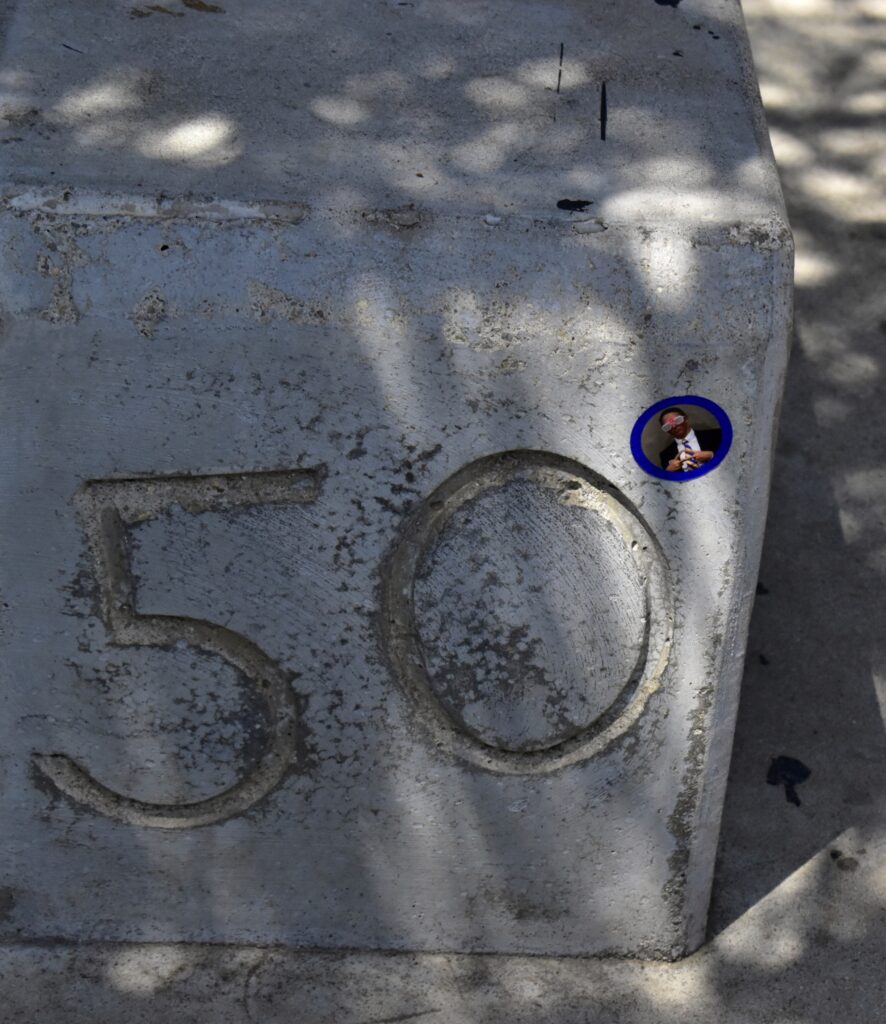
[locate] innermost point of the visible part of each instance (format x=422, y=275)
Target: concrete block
x=336, y=611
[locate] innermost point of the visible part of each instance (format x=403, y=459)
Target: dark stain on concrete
x=7, y=902
x=402, y=1017
x=843, y=862
x=789, y=772
x=400, y=218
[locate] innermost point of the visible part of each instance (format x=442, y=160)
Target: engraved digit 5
x=107, y=508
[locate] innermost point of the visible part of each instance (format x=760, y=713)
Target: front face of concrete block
x=336, y=610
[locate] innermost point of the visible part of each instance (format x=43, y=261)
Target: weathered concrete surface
x=263, y=351
x=808, y=953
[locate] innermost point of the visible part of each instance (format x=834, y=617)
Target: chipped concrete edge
x=67, y=202
x=717, y=708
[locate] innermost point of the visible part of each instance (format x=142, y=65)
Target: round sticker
x=681, y=438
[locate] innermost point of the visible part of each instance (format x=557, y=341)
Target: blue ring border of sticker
x=681, y=478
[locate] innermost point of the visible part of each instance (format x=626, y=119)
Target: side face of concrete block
x=337, y=612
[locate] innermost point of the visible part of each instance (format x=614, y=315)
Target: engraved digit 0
x=107, y=508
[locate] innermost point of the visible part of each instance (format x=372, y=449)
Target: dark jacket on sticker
x=708, y=439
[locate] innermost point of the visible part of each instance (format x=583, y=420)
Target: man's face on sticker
x=676, y=424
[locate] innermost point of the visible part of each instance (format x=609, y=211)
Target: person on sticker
x=690, y=449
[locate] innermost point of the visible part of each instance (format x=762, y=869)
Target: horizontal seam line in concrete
x=62, y=942
x=98, y=205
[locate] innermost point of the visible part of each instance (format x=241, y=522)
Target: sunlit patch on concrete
x=867, y=485
x=871, y=102
x=104, y=98
x=497, y=92
x=798, y=8
x=144, y=970
x=488, y=151
x=851, y=526
x=852, y=142
x=671, y=990
x=666, y=266
x=853, y=369
x=545, y=72
x=873, y=9
x=13, y=78
x=437, y=67
x=204, y=140
x=813, y=268
x=339, y=110
x=780, y=96
x=673, y=205
x=849, y=195
x=675, y=166
x=753, y=174
x=831, y=411
x=789, y=150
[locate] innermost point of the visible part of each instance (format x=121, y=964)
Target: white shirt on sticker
x=689, y=441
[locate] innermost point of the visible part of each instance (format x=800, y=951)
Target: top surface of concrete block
x=455, y=106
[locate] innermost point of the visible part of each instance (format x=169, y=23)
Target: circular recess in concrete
x=531, y=613
x=527, y=612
